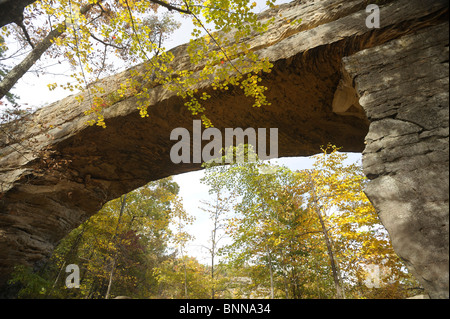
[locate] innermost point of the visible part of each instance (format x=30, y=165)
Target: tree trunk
x=113, y=267
x=111, y=275
x=334, y=268
x=19, y=70
x=213, y=247
x=336, y=276
x=212, y=276
x=66, y=257
x=271, y=273
x=185, y=282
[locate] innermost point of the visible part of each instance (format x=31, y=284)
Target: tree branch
x=25, y=32
x=170, y=7
x=214, y=40
x=104, y=43
x=19, y=70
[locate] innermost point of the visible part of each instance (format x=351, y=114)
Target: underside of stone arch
x=383, y=92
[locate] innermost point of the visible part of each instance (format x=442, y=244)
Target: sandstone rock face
x=55, y=172
x=403, y=87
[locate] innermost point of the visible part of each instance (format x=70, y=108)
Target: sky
x=33, y=92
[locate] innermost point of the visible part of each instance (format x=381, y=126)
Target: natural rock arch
x=384, y=91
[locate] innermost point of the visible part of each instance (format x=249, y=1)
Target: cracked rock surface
x=403, y=87
x=334, y=80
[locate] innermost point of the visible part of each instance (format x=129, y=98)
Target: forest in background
x=275, y=233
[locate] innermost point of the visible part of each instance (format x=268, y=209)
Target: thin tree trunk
x=334, y=268
x=113, y=267
x=185, y=282
x=19, y=70
x=212, y=276
x=213, y=243
x=66, y=257
x=180, y=247
x=271, y=273
x=336, y=276
x=111, y=275
x=286, y=284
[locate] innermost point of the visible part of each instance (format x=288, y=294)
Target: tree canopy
x=98, y=37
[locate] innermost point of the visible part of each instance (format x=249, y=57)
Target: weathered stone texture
x=403, y=87
x=56, y=172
